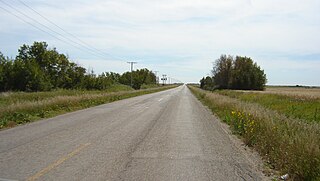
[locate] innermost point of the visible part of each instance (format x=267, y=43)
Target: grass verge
x=22, y=108
x=287, y=144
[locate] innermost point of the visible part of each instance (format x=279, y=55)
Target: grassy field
x=21, y=107
x=302, y=92
x=298, y=103
x=289, y=142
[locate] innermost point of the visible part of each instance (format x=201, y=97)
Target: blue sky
x=180, y=38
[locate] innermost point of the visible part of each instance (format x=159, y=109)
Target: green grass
x=287, y=144
x=20, y=107
x=291, y=106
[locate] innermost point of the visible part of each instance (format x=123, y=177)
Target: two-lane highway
x=167, y=135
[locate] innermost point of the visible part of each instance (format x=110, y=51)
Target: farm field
x=303, y=92
x=22, y=107
x=299, y=103
x=282, y=124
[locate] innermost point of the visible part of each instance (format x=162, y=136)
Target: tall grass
x=301, y=107
x=7, y=98
x=21, y=107
x=288, y=145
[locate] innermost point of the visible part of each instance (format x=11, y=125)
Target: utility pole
x=155, y=72
x=131, y=63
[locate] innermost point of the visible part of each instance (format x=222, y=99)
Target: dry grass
x=295, y=92
x=288, y=145
x=51, y=104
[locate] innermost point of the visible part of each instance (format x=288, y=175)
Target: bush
x=235, y=73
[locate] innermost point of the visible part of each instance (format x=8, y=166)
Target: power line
x=41, y=29
x=34, y=20
x=25, y=15
x=36, y=26
x=59, y=27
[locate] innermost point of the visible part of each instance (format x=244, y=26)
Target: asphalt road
x=167, y=135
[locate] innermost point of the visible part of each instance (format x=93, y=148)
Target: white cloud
x=160, y=33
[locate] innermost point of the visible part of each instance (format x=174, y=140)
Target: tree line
x=39, y=68
x=235, y=73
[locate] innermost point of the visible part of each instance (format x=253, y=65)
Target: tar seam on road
x=57, y=163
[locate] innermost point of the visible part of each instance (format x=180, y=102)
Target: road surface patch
x=58, y=162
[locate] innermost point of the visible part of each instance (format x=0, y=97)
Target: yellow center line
x=57, y=163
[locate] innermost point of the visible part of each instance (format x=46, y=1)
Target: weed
x=26, y=107
x=289, y=145
x=292, y=106
x=316, y=114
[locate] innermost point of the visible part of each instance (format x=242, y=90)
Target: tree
x=30, y=68
x=247, y=75
x=222, y=71
x=139, y=77
x=39, y=68
x=235, y=73
x=5, y=73
x=207, y=83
